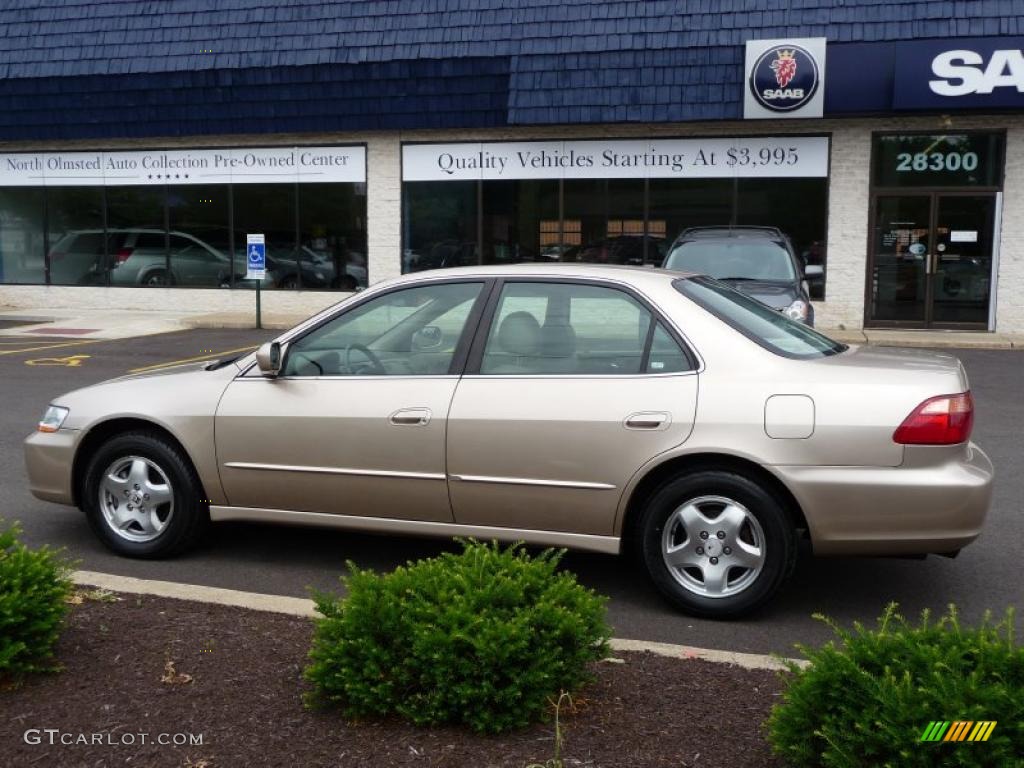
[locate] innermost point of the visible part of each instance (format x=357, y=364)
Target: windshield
x=733, y=259
x=763, y=325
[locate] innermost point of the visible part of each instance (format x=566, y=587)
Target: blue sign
x=942, y=76
x=784, y=78
x=255, y=257
x=966, y=73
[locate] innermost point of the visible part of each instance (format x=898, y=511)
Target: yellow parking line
x=172, y=363
x=53, y=346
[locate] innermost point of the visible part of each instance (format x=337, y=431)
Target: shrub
x=34, y=585
x=488, y=637
x=868, y=699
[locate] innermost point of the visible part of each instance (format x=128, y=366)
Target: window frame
x=483, y=332
x=462, y=347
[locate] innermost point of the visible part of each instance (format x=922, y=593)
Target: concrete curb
x=297, y=606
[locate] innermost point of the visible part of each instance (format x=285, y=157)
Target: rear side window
x=762, y=324
x=576, y=329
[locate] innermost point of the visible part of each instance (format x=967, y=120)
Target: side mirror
x=814, y=270
x=270, y=358
x=428, y=337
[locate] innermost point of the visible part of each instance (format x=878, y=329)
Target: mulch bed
x=245, y=698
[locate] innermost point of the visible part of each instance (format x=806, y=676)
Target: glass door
x=931, y=260
x=962, y=260
x=901, y=242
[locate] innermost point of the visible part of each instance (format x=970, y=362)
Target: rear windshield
x=762, y=324
x=733, y=259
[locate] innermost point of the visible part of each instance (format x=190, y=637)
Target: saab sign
x=969, y=73
x=785, y=78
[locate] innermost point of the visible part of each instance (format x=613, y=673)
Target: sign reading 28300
x=936, y=161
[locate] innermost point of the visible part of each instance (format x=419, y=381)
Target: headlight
x=53, y=418
x=797, y=311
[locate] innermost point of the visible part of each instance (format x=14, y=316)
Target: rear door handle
x=410, y=417
x=648, y=420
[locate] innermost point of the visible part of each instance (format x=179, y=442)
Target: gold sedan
x=569, y=405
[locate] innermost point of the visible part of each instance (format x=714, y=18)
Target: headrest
x=519, y=334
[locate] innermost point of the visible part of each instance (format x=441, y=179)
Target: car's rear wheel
x=716, y=543
x=142, y=497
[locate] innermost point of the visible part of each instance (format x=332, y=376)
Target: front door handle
x=648, y=420
x=410, y=417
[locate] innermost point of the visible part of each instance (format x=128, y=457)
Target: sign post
x=256, y=267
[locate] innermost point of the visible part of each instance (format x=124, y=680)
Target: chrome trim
x=335, y=470
x=530, y=481
x=606, y=544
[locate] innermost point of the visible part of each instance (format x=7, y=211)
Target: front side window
x=758, y=322
x=575, y=329
x=412, y=332
x=733, y=259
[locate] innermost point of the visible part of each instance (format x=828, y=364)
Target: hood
x=776, y=295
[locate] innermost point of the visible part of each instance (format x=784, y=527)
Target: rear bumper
x=48, y=459
x=935, y=502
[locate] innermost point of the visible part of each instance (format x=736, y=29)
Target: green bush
x=34, y=586
x=867, y=699
x=488, y=637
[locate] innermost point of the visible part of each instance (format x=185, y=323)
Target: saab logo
x=785, y=78
x=962, y=72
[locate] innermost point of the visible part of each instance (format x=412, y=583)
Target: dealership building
x=143, y=143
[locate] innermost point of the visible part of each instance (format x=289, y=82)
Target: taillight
x=942, y=420
x=122, y=255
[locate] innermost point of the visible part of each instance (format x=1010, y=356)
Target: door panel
x=901, y=245
x=579, y=386
x=569, y=433
x=331, y=445
x=962, y=265
x=356, y=422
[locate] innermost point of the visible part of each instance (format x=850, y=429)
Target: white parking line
x=297, y=606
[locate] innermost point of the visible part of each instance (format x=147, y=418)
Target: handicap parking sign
x=255, y=257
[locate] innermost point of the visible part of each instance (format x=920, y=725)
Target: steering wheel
x=375, y=365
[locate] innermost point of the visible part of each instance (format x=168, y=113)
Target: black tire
x=776, y=529
x=158, y=278
x=190, y=513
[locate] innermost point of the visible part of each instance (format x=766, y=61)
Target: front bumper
x=49, y=458
x=935, y=502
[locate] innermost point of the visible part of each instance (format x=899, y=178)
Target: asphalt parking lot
x=987, y=575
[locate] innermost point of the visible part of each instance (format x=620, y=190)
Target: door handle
x=648, y=420
x=410, y=417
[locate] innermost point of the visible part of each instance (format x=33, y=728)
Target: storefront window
x=440, y=220
x=200, y=245
x=332, y=237
x=798, y=207
x=21, y=236
x=145, y=231
x=520, y=221
x=267, y=209
x=137, y=237
x=76, y=238
x=676, y=204
x=610, y=213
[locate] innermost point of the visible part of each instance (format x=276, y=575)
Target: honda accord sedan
x=596, y=407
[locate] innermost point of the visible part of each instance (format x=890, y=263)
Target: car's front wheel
x=142, y=496
x=716, y=543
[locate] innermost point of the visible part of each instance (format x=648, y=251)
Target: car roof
x=615, y=272
x=739, y=231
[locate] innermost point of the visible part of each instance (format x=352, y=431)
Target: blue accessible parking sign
x=255, y=257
